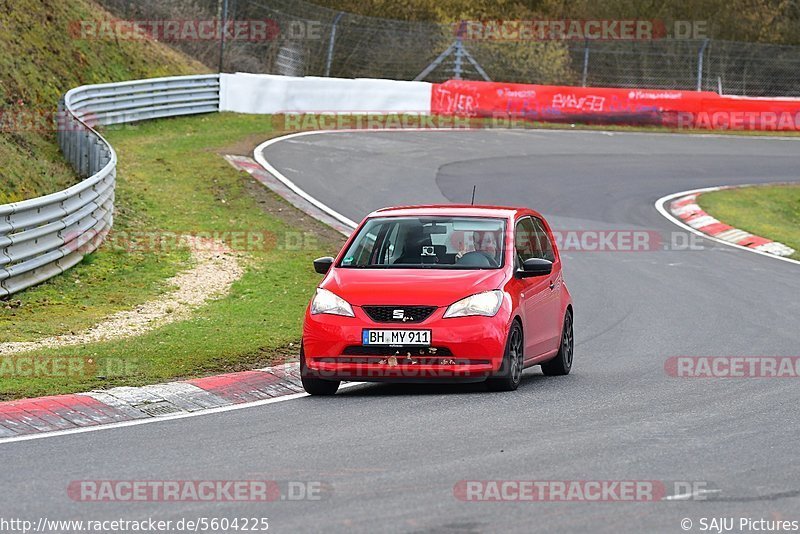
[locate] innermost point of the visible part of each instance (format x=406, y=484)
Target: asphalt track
x=392, y=454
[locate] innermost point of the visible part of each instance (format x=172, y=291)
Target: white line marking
x=779, y=249
x=259, y=157
x=661, y=203
x=687, y=496
x=161, y=419
x=258, y=153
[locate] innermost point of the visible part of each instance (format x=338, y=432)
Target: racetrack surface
x=392, y=454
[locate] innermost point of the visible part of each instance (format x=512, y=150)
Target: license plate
x=419, y=338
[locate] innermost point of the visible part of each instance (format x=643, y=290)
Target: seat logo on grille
x=400, y=315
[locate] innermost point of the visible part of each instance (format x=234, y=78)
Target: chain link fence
x=735, y=68
x=317, y=41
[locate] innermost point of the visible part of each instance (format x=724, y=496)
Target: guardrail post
x=101, y=156
x=94, y=153
x=78, y=148
x=60, y=123
x=68, y=139
x=87, y=146
x=73, y=141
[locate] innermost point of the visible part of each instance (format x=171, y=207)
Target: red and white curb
x=69, y=413
x=683, y=209
x=51, y=416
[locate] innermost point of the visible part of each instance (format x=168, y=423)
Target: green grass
x=768, y=211
x=107, y=281
x=40, y=59
x=171, y=178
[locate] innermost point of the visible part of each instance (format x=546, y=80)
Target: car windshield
x=428, y=243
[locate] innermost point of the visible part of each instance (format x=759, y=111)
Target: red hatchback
x=445, y=293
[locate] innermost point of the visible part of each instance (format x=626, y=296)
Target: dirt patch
x=245, y=146
x=272, y=203
x=216, y=268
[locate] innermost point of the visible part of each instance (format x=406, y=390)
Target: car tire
x=511, y=371
x=562, y=363
x=315, y=385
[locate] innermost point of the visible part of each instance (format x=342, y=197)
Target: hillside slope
x=40, y=59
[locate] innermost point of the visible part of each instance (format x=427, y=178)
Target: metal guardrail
x=42, y=237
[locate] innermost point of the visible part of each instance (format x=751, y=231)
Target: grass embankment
x=771, y=211
x=172, y=179
x=41, y=57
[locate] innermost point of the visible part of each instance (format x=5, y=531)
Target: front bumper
x=463, y=349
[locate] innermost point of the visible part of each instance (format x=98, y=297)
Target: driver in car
x=485, y=242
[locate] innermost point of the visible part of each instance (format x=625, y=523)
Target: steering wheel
x=477, y=258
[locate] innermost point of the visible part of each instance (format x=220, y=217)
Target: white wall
x=266, y=93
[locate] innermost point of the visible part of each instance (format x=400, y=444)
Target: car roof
x=465, y=210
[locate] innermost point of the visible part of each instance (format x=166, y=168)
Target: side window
x=523, y=239
x=364, y=249
x=545, y=246
x=376, y=246
x=385, y=245
x=391, y=250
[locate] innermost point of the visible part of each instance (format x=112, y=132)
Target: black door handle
x=552, y=284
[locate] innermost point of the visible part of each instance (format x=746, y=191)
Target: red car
x=450, y=293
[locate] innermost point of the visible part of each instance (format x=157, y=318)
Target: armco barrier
x=680, y=109
x=42, y=237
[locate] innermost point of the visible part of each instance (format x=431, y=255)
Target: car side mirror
x=535, y=267
x=323, y=265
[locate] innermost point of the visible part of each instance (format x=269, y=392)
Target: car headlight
x=326, y=302
x=486, y=304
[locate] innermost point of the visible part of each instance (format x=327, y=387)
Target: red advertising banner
x=679, y=109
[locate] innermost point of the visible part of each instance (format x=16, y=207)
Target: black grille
x=411, y=314
x=360, y=350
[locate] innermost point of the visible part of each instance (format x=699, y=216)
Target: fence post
x=700, y=64
x=585, y=62
x=457, y=68
x=222, y=33
x=331, y=43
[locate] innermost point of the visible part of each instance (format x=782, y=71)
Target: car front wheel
x=315, y=385
x=511, y=370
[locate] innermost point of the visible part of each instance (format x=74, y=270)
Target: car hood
x=428, y=287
